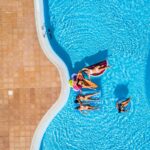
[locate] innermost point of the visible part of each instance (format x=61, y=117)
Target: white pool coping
x=63, y=72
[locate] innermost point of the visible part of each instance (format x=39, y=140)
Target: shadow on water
x=121, y=91
x=56, y=46
x=89, y=60
x=147, y=78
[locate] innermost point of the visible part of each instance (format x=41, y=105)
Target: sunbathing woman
x=84, y=83
x=121, y=106
x=87, y=97
x=95, y=70
x=85, y=107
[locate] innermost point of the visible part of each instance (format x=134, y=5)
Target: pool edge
x=63, y=72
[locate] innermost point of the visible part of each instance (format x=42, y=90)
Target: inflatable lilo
x=96, y=69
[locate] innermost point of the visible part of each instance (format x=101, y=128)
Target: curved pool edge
x=63, y=72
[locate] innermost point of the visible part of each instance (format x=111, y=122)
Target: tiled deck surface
x=26, y=71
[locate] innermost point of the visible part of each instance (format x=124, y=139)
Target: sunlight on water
x=83, y=33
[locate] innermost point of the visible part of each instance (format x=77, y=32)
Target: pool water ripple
x=93, y=30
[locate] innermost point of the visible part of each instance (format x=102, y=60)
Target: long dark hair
x=119, y=107
x=76, y=101
x=77, y=107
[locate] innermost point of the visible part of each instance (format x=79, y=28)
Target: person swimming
x=121, y=106
x=87, y=97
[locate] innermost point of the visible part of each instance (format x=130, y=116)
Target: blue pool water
x=84, y=32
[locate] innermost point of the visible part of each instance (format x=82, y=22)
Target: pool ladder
x=46, y=31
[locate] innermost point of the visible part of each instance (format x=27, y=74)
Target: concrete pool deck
x=29, y=83
x=46, y=45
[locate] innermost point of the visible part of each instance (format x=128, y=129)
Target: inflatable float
x=85, y=83
x=99, y=68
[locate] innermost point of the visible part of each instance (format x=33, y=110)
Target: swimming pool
x=83, y=33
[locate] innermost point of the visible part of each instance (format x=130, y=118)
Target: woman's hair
x=119, y=108
x=78, y=96
x=77, y=107
x=76, y=101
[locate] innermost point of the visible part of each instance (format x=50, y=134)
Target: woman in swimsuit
x=87, y=97
x=121, y=106
x=85, y=107
x=94, y=70
x=84, y=83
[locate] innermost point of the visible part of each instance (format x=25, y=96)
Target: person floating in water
x=95, y=70
x=85, y=107
x=87, y=97
x=84, y=83
x=121, y=106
